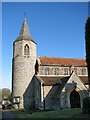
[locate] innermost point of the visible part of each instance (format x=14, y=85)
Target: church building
x=45, y=83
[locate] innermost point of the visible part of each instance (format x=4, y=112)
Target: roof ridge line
x=63, y=58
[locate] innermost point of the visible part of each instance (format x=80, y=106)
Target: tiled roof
x=52, y=80
x=84, y=79
x=62, y=61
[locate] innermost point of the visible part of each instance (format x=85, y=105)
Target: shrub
x=86, y=105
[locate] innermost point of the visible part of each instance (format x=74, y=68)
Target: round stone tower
x=23, y=70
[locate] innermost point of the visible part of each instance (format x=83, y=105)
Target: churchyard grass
x=67, y=113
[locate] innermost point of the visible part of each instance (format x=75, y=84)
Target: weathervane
x=24, y=14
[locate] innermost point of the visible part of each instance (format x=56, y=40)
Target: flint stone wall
x=23, y=72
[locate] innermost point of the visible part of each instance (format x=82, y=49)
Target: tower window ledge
x=26, y=56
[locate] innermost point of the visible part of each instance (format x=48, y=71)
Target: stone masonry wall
x=52, y=97
x=23, y=70
x=61, y=69
x=73, y=83
x=37, y=93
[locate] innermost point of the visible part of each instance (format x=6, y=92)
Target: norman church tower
x=24, y=60
x=45, y=83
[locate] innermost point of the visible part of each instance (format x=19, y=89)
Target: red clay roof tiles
x=62, y=61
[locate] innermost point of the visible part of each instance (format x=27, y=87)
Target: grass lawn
x=67, y=113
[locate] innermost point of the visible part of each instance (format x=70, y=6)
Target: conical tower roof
x=24, y=32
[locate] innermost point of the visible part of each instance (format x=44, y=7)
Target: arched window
x=26, y=49
x=55, y=71
x=41, y=72
x=83, y=71
x=60, y=71
x=50, y=71
x=46, y=72
x=78, y=71
x=65, y=71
